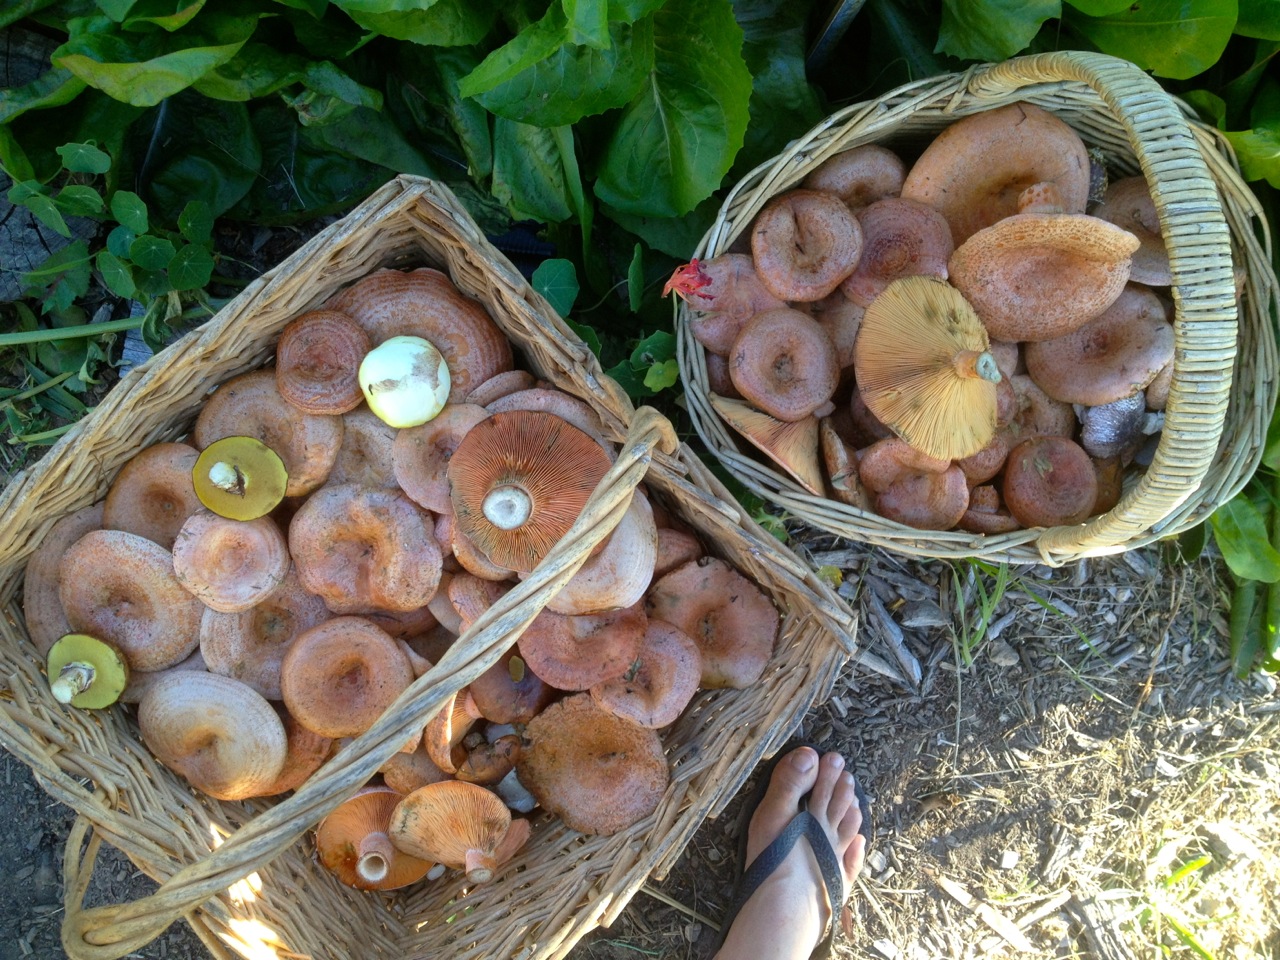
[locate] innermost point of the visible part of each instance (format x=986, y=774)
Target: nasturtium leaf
x=1172, y=38
x=151, y=252
x=587, y=334
x=661, y=375
x=119, y=240
x=52, y=88
x=196, y=222
x=991, y=29
x=635, y=279
x=79, y=200
x=588, y=22
x=528, y=172
x=1259, y=18
x=46, y=211
x=575, y=81
x=137, y=70
x=84, y=158
x=116, y=274
x=657, y=347
x=675, y=141
x=161, y=13
x=191, y=267
x=443, y=23
x=256, y=71
x=1241, y=534
x=557, y=280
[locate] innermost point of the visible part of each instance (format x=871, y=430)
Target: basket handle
x=112, y=931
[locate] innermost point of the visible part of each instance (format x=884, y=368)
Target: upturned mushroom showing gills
x=223, y=737
x=230, y=565
x=121, y=588
x=860, y=176
x=251, y=405
x=425, y=303
x=596, y=771
x=618, y=574
x=420, y=456
x=317, y=362
x=924, y=368
x=41, y=605
x=240, y=478
x=902, y=238
x=726, y=292
x=352, y=842
x=784, y=363
x=974, y=171
x=733, y=622
x=519, y=481
x=361, y=548
x=804, y=243
x=793, y=445
x=86, y=672
x=455, y=823
x=405, y=380
x=153, y=494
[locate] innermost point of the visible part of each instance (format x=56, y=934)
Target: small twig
x=987, y=914
x=677, y=905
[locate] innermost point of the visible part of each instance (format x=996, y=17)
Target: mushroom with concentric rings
x=354, y=844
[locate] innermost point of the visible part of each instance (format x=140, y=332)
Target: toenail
x=847, y=777
x=837, y=761
x=803, y=760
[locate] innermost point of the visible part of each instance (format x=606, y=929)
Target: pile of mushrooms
x=953, y=344
x=267, y=588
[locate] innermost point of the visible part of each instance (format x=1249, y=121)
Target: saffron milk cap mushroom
x=519, y=481
x=576, y=653
x=726, y=292
x=901, y=238
x=804, y=242
x=153, y=494
x=305, y=753
x=240, y=478
x=365, y=456
x=420, y=455
x=1049, y=481
x=317, y=361
x=660, y=682
x=353, y=843
x=455, y=823
x=784, y=363
x=839, y=318
x=860, y=176
x=924, y=368
x=598, y=772
x=230, y=565
x=86, y=672
x=218, y=733
x=618, y=575
x=1128, y=205
x=41, y=604
x=792, y=444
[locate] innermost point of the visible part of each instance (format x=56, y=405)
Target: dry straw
x=243, y=874
x=1224, y=383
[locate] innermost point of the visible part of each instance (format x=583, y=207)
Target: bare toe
x=792, y=778
x=843, y=797
x=829, y=770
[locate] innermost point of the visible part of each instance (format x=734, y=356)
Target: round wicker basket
x=1225, y=367
x=243, y=873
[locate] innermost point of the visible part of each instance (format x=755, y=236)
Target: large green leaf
x=629, y=11
x=1171, y=38
x=783, y=103
x=588, y=22
x=436, y=23
x=1100, y=8
x=256, y=71
x=551, y=83
x=14, y=10
x=528, y=172
x=368, y=135
x=677, y=139
x=51, y=89
x=991, y=29
x=675, y=236
x=143, y=69
x=201, y=149
x=162, y=13
x=469, y=120
x=1259, y=18
x=1241, y=533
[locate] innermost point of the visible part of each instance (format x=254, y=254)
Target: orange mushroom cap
x=318, y=360
x=352, y=842
x=733, y=622
x=501, y=385
x=784, y=363
x=902, y=238
x=545, y=399
x=804, y=242
x=841, y=462
x=365, y=455
x=675, y=547
x=509, y=691
x=1049, y=481
x=406, y=772
x=41, y=604
x=598, y=772
x=1128, y=204
x=153, y=495
x=839, y=318
x=793, y=445
x=618, y=574
x=660, y=682
x=420, y=456
x=576, y=653
x=455, y=823
x=860, y=176
x=519, y=481
x=986, y=513
x=230, y=565
x=726, y=292
x=444, y=732
x=305, y=753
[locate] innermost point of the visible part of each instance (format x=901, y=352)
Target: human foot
x=788, y=913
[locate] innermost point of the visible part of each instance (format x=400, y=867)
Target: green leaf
x=134, y=70
x=51, y=89
x=372, y=136
x=540, y=79
x=116, y=274
x=587, y=334
x=153, y=12
x=662, y=375
x=1241, y=534
x=22, y=189
x=677, y=139
x=442, y=23
x=1171, y=38
x=528, y=172
x=1258, y=149
x=674, y=236
x=119, y=240
x=1211, y=107
x=629, y=11
x=325, y=78
x=656, y=348
x=13, y=159
x=46, y=211
x=557, y=280
x=191, y=268
x=15, y=10
x=582, y=207
x=68, y=267
x=127, y=207
x=256, y=71
x=1259, y=18
x=84, y=158
x=314, y=7
x=1101, y=8
x=588, y=22
x=991, y=29
x=117, y=10
x=78, y=200
x=196, y=222
x=635, y=279
x=151, y=253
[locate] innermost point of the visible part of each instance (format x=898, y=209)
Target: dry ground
x=1094, y=783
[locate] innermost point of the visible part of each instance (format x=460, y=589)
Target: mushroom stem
x=73, y=680
x=977, y=364
x=376, y=853
x=228, y=477
x=480, y=866
x=507, y=507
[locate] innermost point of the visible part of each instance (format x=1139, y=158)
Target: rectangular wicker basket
x=243, y=874
x=1225, y=366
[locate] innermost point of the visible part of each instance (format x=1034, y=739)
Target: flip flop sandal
x=801, y=825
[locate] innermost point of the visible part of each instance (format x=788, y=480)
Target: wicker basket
x=562, y=884
x=1224, y=383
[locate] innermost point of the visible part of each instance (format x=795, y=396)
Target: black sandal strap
x=769, y=860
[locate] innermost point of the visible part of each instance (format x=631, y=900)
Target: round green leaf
x=116, y=274
x=84, y=158
x=151, y=253
x=196, y=222
x=557, y=280
x=119, y=240
x=78, y=200
x=128, y=208
x=191, y=268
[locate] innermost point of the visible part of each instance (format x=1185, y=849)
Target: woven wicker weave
x=562, y=884
x=1224, y=383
